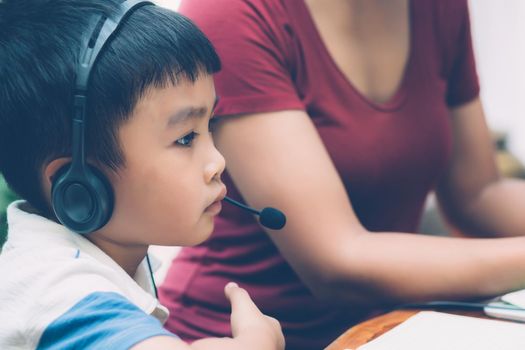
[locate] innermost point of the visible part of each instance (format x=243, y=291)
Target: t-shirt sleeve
x=256, y=62
x=462, y=77
x=101, y=320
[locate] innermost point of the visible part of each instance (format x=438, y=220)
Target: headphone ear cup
x=83, y=201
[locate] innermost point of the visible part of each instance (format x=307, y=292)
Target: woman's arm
x=278, y=159
x=472, y=193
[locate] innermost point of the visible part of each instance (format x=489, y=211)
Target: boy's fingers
x=228, y=288
x=245, y=315
x=239, y=298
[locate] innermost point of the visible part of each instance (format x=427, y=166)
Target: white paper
x=429, y=330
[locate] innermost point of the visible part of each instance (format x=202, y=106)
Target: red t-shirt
x=388, y=155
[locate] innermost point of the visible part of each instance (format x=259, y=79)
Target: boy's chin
x=193, y=239
x=204, y=237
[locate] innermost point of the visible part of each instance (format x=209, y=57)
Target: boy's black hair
x=39, y=49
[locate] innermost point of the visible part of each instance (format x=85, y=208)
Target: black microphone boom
x=268, y=217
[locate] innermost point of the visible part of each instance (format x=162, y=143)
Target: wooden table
x=368, y=330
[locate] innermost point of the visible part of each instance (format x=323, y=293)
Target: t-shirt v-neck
x=398, y=95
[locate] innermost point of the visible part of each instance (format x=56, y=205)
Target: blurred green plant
x=6, y=197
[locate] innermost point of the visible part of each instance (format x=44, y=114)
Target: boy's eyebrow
x=190, y=113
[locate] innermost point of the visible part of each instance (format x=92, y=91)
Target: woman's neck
x=361, y=14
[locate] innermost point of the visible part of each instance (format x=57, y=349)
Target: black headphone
x=81, y=195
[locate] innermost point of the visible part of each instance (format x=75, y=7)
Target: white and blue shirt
x=60, y=291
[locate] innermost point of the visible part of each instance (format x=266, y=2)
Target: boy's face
x=172, y=169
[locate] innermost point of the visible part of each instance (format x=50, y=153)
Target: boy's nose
x=215, y=167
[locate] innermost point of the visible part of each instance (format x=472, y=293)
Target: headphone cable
x=151, y=277
x=443, y=305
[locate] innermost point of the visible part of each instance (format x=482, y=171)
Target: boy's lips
x=216, y=206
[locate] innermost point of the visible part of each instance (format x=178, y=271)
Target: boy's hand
x=250, y=327
x=248, y=320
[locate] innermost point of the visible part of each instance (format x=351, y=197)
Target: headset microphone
x=268, y=217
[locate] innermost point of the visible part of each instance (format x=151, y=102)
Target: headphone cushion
x=82, y=201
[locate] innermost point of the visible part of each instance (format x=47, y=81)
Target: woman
x=345, y=114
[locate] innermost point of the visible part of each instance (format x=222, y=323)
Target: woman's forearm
x=498, y=211
x=387, y=268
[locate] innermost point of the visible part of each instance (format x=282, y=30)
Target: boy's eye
x=186, y=140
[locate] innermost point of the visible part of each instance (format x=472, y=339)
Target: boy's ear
x=50, y=171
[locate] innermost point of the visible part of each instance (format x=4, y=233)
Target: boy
x=75, y=271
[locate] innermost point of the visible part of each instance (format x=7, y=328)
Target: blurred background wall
x=499, y=42
x=171, y=4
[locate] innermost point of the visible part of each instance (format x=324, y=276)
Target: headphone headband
x=102, y=29
x=82, y=197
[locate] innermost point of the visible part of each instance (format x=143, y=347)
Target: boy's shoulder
x=42, y=257
x=55, y=281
